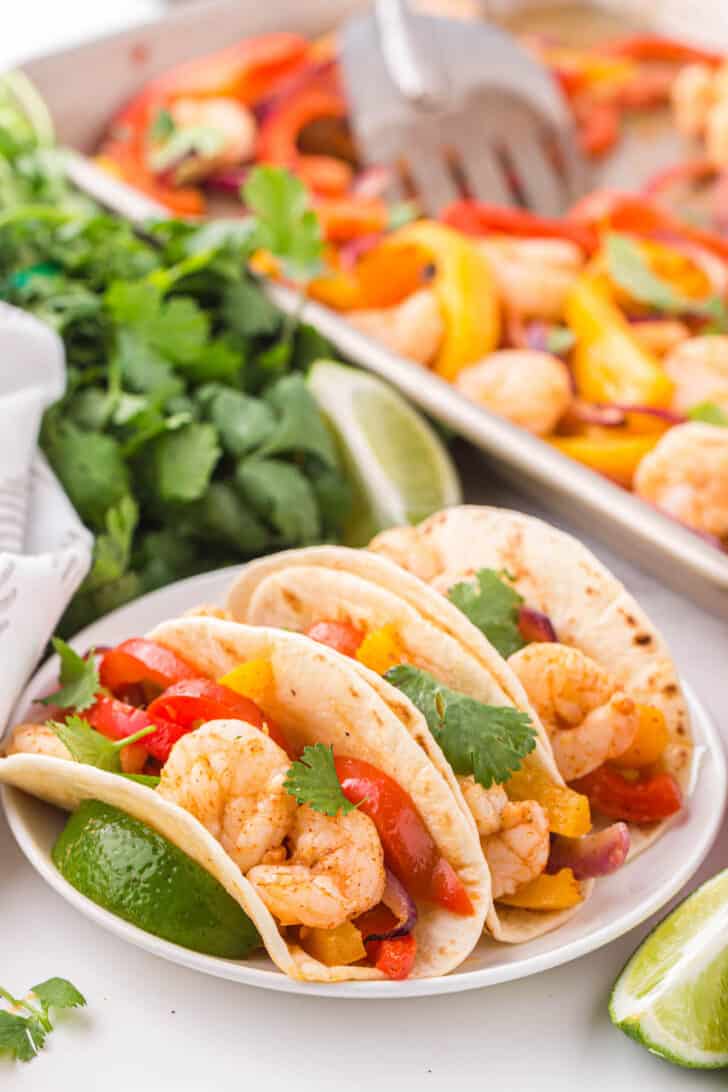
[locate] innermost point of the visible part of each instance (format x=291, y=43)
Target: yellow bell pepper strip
x=380, y=650
x=334, y=947
x=609, y=363
x=465, y=291
x=558, y=892
x=567, y=811
x=252, y=679
x=616, y=455
x=649, y=742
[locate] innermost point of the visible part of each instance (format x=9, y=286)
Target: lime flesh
x=673, y=994
x=400, y=468
x=128, y=868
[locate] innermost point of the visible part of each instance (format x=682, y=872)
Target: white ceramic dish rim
x=208, y=587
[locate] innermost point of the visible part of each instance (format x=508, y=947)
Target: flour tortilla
x=294, y=589
x=317, y=698
x=589, y=608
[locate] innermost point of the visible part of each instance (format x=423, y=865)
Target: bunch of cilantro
x=187, y=438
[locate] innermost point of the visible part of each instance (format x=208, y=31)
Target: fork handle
x=413, y=80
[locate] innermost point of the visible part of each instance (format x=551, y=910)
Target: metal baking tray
x=85, y=85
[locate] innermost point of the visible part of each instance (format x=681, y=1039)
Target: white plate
x=621, y=901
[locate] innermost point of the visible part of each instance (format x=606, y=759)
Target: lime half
x=400, y=468
x=123, y=865
x=673, y=994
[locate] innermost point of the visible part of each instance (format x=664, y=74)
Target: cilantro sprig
x=628, y=268
x=286, y=225
x=709, y=412
x=313, y=780
x=23, y=1036
x=492, y=605
x=487, y=741
x=79, y=678
x=90, y=747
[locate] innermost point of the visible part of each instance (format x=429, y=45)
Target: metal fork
x=461, y=108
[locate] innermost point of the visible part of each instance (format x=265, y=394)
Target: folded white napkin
x=45, y=551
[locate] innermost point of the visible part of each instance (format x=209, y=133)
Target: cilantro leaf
x=282, y=495
x=90, y=747
x=243, y=423
x=79, y=679
x=559, y=340
x=20, y=1036
x=287, y=227
x=248, y=310
x=313, y=780
x=487, y=741
x=628, y=268
x=178, y=465
x=710, y=412
x=112, y=548
x=300, y=428
x=492, y=605
x=58, y=993
x=91, y=467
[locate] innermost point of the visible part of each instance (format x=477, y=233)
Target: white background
x=153, y=1026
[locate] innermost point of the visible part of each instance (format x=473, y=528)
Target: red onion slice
x=397, y=899
x=373, y=181
x=615, y=414
x=228, y=181
x=535, y=626
x=354, y=249
x=593, y=855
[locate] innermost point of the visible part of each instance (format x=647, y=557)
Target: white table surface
x=154, y=1026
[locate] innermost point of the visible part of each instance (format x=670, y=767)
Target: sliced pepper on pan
x=616, y=456
x=465, y=290
x=610, y=365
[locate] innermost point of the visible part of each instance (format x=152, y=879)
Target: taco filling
x=333, y=845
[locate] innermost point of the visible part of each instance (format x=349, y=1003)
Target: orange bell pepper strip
x=279, y=132
x=349, y=217
x=616, y=456
x=599, y=128
x=465, y=291
x=609, y=363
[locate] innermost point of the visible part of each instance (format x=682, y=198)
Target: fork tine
x=481, y=166
x=538, y=178
x=434, y=184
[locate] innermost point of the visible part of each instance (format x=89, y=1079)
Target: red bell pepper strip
x=409, y=848
x=343, y=637
x=194, y=701
x=278, y=139
x=117, y=720
x=481, y=218
x=599, y=127
x=643, y=801
x=654, y=47
x=616, y=211
x=139, y=660
x=394, y=957
x=691, y=170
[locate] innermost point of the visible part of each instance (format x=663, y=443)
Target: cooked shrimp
x=518, y=852
x=686, y=475
x=716, y=133
x=40, y=739
x=533, y=275
x=413, y=328
x=529, y=388
x=37, y=739
x=699, y=369
x=693, y=97
x=335, y=871
x=660, y=336
x=221, y=134
x=588, y=719
x=514, y=836
x=486, y=805
x=230, y=776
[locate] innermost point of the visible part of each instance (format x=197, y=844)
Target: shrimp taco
x=594, y=666
x=406, y=640
x=352, y=860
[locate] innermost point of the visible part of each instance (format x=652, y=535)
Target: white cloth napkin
x=45, y=551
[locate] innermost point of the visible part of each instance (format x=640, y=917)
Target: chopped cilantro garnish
x=313, y=780
x=79, y=679
x=492, y=605
x=487, y=741
x=22, y=1036
x=90, y=747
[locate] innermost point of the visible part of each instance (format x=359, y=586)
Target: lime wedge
x=128, y=868
x=400, y=469
x=673, y=994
